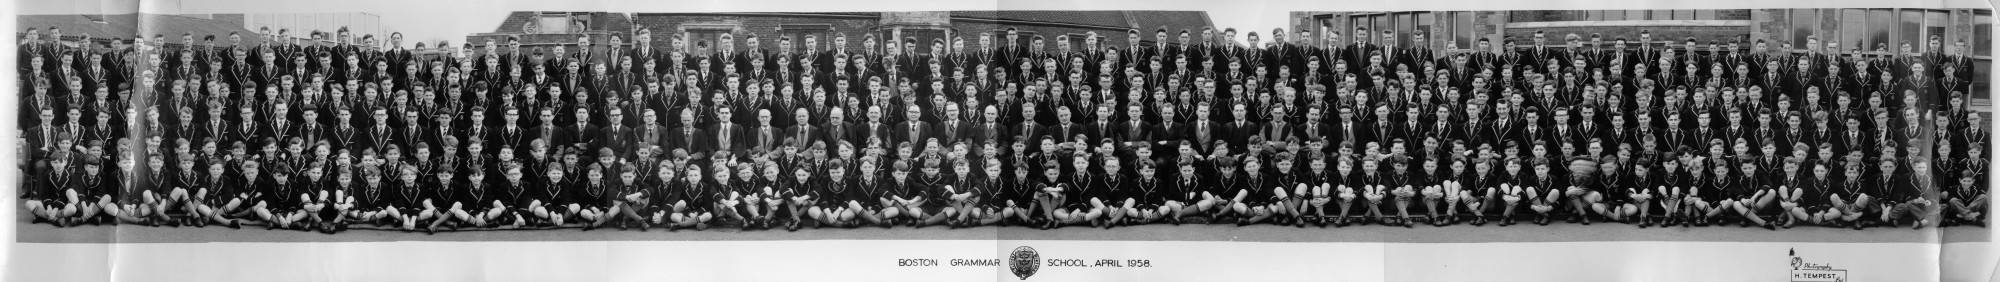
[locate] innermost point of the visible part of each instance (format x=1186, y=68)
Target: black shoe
x=1507, y=221
x=1769, y=226
x=235, y=224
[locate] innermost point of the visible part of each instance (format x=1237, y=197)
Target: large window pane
x=1983, y=29
x=1853, y=29
x=1704, y=14
x=1405, y=26
x=1463, y=29
x=1635, y=15
x=1424, y=23
x=1683, y=14
x=1614, y=15
x=1357, y=25
x=1804, y=22
x=1910, y=30
x=1935, y=23
x=1881, y=24
x=1380, y=23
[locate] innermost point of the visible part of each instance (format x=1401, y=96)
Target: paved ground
x=1557, y=232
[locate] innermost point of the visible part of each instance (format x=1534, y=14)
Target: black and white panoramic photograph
x=209, y=140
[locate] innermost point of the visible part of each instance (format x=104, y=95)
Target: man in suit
x=689, y=136
x=582, y=134
x=616, y=134
x=913, y=128
x=727, y=135
x=765, y=136
x=802, y=132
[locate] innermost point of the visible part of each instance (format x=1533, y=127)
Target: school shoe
x=1506, y=221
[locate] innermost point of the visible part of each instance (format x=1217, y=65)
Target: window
x=1935, y=22
x=1982, y=33
x=1880, y=24
x=1603, y=15
x=1405, y=26
x=1355, y=25
x=1424, y=23
x=798, y=33
x=1379, y=24
x=1910, y=31
x=548, y=23
x=1804, y=22
x=1704, y=14
x=1635, y=15
x=1853, y=29
x=1463, y=31
x=1683, y=14
x=1328, y=26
